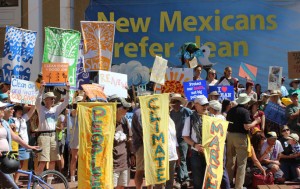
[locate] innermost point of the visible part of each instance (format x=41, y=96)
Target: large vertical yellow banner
x=213, y=139
x=98, y=37
x=96, y=123
x=155, y=123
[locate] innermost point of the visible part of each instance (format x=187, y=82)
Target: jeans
x=225, y=183
x=7, y=181
x=198, y=169
x=182, y=171
x=169, y=183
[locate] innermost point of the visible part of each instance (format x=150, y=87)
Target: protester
x=294, y=141
x=60, y=135
x=237, y=142
x=294, y=84
x=74, y=140
x=226, y=106
x=258, y=90
x=123, y=156
x=228, y=77
x=192, y=134
x=20, y=120
x=288, y=163
x=48, y=115
x=211, y=78
x=270, y=155
x=197, y=72
x=283, y=89
x=255, y=113
x=179, y=114
x=292, y=113
x=249, y=90
x=6, y=137
x=214, y=95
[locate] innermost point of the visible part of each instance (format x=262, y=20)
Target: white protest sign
x=159, y=70
x=22, y=91
x=274, y=78
x=113, y=83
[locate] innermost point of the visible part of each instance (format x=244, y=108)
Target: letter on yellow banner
x=96, y=137
x=155, y=121
x=213, y=139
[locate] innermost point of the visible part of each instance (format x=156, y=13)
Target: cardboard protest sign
x=193, y=89
x=226, y=92
x=22, y=91
x=97, y=122
x=113, y=83
x=294, y=64
x=174, y=80
x=18, y=54
x=275, y=113
x=159, y=70
x=61, y=45
x=248, y=71
x=274, y=78
x=55, y=74
x=98, y=39
x=94, y=92
x=213, y=140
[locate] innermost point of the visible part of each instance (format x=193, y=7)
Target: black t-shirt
x=238, y=116
x=287, y=149
x=120, y=150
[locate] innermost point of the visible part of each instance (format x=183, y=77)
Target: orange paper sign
x=94, y=92
x=55, y=74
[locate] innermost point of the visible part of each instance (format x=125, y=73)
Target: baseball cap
x=202, y=100
x=271, y=134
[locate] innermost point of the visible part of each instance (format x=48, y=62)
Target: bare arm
x=256, y=162
x=263, y=122
x=16, y=138
x=31, y=111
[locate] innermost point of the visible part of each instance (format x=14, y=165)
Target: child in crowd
x=294, y=141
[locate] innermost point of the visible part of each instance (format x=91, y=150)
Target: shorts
x=23, y=155
x=121, y=178
x=140, y=159
x=50, y=148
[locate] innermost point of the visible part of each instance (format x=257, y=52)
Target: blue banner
x=226, y=92
x=259, y=32
x=82, y=76
x=18, y=54
x=275, y=113
x=193, y=89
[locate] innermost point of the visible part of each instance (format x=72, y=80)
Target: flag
x=248, y=71
x=213, y=140
x=62, y=46
x=18, y=54
x=98, y=39
x=97, y=122
x=155, y=121
x=82, y=76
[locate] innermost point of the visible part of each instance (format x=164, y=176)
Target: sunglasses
x=205, y=105
x=284, y=130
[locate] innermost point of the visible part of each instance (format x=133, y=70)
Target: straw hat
x=177, y=96
x=243, y=99
x=49, y=95
x=214, y=93
x=271, y=135
x=293, y=136
x=294, y=81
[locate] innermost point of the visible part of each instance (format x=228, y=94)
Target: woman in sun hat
x=294, y=84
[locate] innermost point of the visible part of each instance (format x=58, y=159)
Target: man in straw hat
x=192, y=134
x=239, y=125
x=214, y=95
x=270, y=154
x=179, y=114
x=48, y=115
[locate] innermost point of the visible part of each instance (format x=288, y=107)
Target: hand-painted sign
x=294, y=64
x=94, y=92
x=82, y=76
x=113, y=83
x=55, y=74
x=275, y=113
x=193, y=89
x=226, y=92
x=18, y=54
x=22, y=91
x=248, y=71
x=274, y=78
x=159, y=70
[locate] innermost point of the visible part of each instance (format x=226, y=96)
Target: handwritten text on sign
x=114, y=83
x=275, y=113
x=193, y=89
x=55, y=74
x=22, y=91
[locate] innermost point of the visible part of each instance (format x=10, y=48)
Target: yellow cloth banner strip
x=155, y=122
x=214, y=131
x=97, y=122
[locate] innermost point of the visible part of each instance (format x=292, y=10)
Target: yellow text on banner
x=213, y=139
x=155, y=121
x=96, y=137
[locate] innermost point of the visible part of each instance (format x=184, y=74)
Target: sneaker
x=177, y=185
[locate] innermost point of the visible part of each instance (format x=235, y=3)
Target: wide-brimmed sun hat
x=294, y=81
x=49, y=95
x=243, y=99
x=177, y=96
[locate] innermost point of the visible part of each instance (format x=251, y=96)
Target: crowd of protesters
x=52, y=125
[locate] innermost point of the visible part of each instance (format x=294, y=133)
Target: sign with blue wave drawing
x=260, y=32
x=17, y=54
